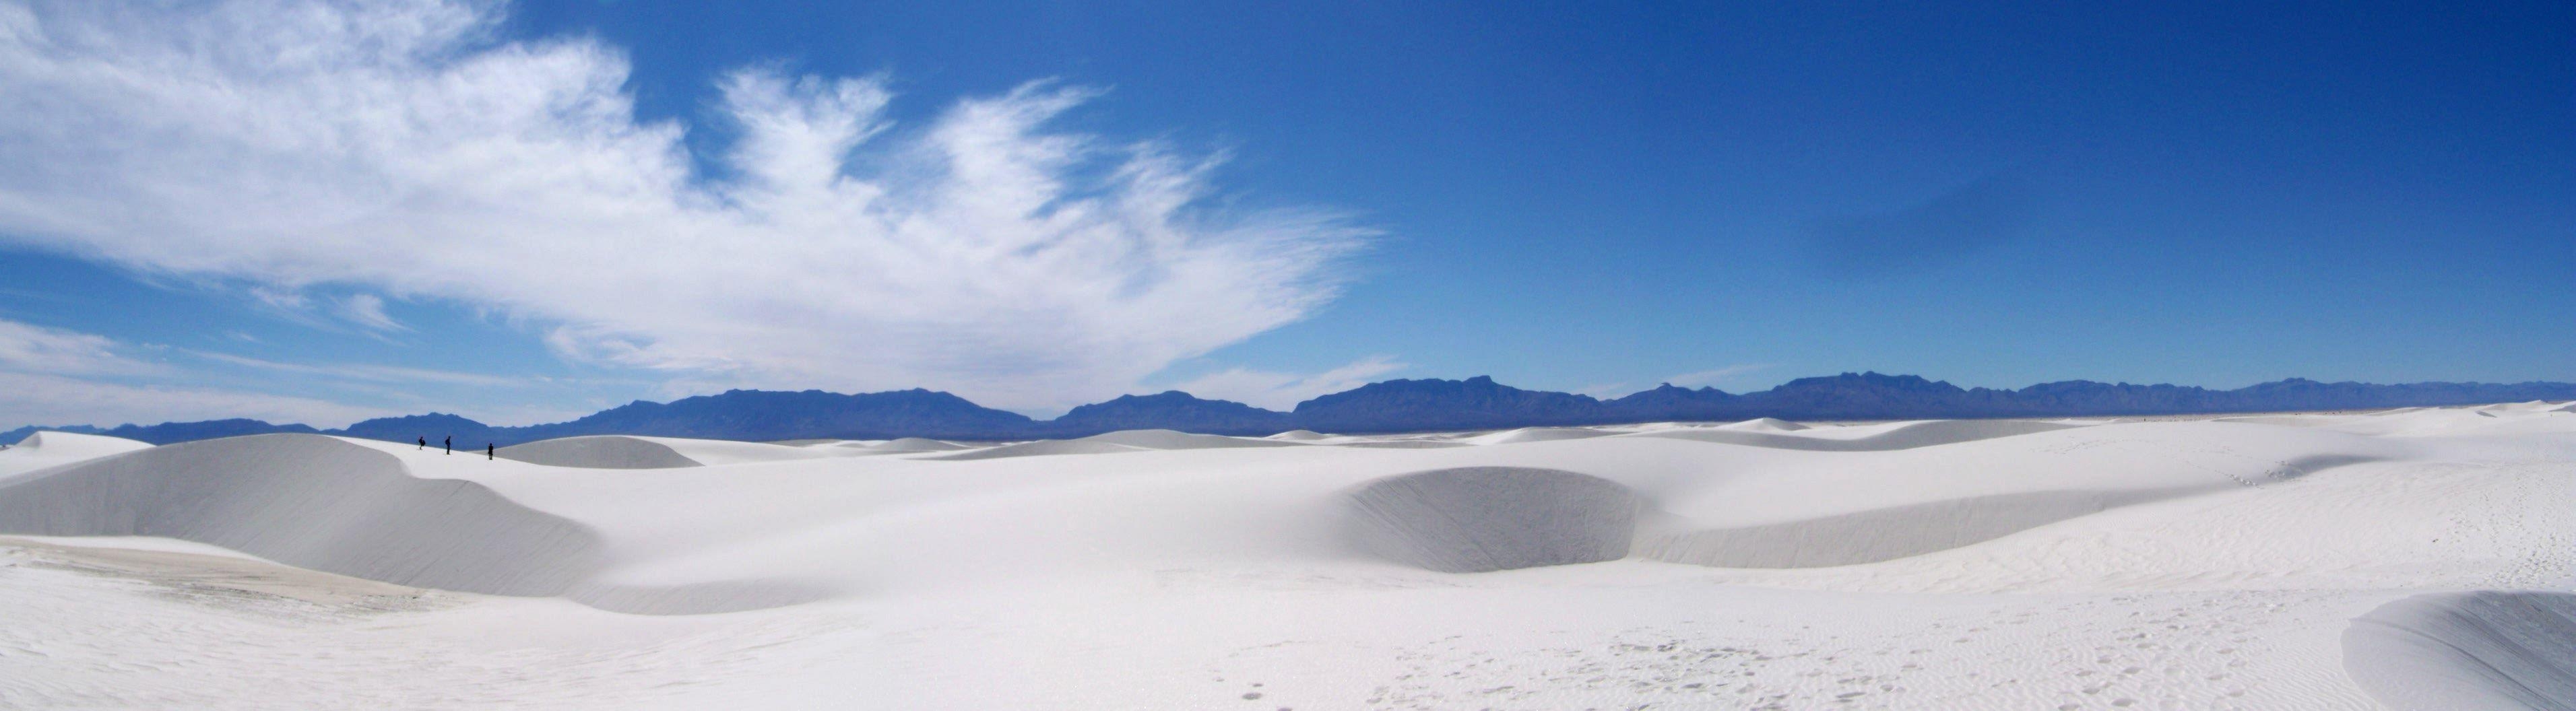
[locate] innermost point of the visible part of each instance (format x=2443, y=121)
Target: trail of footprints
x=2164, y=651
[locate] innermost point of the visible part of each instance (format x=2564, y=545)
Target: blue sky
x=524, y=212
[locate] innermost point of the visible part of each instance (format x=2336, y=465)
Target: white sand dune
x=599, y=452
x=2163, y=564
x=312, y=502
x=1113, y=443
x=51, y=449
x=1300, y=436
x=1905, y=436
x=1401, y=444
x=1040, y=448
x=1763, y=424
x=906, y=445
x=1168, y=439
x=1538, y=434
x=1889, y=533
x=1476, y=519
x=331, y=505
x=2472, y=650
x=711, y=452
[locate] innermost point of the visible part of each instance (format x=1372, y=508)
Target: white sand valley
x=2409, y=559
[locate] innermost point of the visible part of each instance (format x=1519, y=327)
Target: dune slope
x=1910, y=436
x=312, y=502
x=50, y=449
x=1477, y=519
x=2472, y=650
x=600, y=452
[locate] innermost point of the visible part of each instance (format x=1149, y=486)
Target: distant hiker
x=487, y=451
x=448, y=444
x=424, y=443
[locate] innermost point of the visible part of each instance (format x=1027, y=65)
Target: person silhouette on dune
x=448, y=444
x=487, y=451
x=424, y=443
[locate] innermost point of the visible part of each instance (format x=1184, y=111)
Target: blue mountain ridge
x=1382, y=407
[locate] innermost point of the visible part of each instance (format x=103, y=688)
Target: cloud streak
x=51, y=376
x=51, y=400
x=391, y=147
x=1714, y=377
x=1282, y=391
x=36, y=349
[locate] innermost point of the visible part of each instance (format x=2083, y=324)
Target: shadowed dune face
x=2471, y=650
x=1405, y=444
x=1040, y=448
x=1546, y=434
x=1479, y=519
x=319, y=503
x=1920, y=434
x=1765, y=424
x=1169, y=439
x=312, y=502
x=1113, y=443
x=1904, y=531
x=599, y=452
x=1497, y=518
x=913, y=444
x=1890, y=533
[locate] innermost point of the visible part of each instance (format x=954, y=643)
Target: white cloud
x=1282, y=391
x=51, y=376
x=369, y=310
x=358, y=371
x=1717, y=377
x=37, y=349
x=394, y=147
x=40, y=399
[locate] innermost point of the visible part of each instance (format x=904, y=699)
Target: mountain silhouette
x=1390, y=406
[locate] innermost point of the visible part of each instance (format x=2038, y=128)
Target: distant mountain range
x=1391, y=406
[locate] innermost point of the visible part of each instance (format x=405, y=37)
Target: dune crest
x=1890, y=533
x=907, y=445
x=312, y=502
x=2470, y=650
x=1172, y=439
x=1541, y=434
x=44, y=449
x=599, y=452
x=1764, y=424
x=1909, y=436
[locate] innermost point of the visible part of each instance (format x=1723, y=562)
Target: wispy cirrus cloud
x=1282, y=391
x=368, y=310
x=366, y=372
x=30, y=348
x=394, y=148
x=46, y=400
x=52, y=376
x=1729, y=376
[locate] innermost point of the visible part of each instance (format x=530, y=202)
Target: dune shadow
x=2485, y=649
x=312, y=502
x=1910, y=436
x=599, y=452
x=1479, y=519
x=1891, y=533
